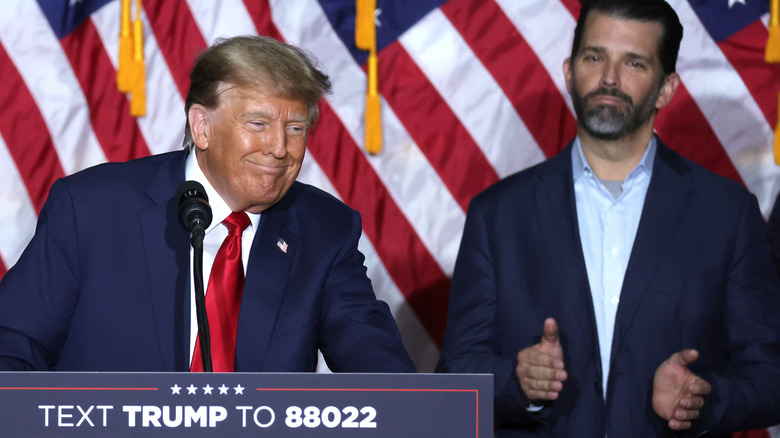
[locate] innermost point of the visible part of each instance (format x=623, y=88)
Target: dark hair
x=641, y=10
x=250, y=61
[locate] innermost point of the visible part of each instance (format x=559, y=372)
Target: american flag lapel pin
x=282, y=245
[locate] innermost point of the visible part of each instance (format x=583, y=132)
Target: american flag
x=472, y=91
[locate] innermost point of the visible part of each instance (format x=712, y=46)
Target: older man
x=105, y=283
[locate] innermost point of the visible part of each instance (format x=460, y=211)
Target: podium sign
x=193, y=405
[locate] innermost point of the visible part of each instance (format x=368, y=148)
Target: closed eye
x=296, y=129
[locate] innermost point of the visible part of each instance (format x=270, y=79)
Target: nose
x=276, y=141
x=610, y=76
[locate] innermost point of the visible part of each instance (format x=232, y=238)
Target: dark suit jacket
x=104, y=283
x=699, y=276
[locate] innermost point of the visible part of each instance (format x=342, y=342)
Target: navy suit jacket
x=104, y=283
x=699, y=276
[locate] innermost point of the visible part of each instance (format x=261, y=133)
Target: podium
x=38, y=404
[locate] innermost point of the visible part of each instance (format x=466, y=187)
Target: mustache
x=612, y=92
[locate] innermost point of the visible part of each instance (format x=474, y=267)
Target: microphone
x=194, y=210
x=195, y=216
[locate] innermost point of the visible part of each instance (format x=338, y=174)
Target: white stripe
x=18, y=214
x=163, y=125
x=39, y=58
x=221, y=19
x=548, y=27
x=417, y=341
x=404, y=170
x=472, y=93
x=725, y=101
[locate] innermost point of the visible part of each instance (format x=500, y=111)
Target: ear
x=668, y=88
x=567, y=73
x=198, y=117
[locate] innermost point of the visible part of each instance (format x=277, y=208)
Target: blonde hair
x=252, y=61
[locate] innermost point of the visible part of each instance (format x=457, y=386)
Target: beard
x=608, y=122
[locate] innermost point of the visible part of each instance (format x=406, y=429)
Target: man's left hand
x=678, y=394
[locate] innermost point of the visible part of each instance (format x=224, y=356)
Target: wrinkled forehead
x=258, y=91
x=260, y=101
x=254, y=90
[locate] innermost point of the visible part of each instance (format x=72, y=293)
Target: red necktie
x=223, y=298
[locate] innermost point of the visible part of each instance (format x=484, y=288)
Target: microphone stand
x=196, y=239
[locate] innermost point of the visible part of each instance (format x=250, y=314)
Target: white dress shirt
x=215, y=234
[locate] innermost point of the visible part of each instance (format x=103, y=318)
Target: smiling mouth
x=278, y=167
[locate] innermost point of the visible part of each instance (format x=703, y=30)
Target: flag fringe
x=777, y=133
x=138, y=88
x=365, y=31
x=131, y=71
x=373, y=113
x=365, y=39
x=772, y=53
x=123, y=73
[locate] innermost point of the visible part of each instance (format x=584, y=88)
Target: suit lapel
x=167, y=260
x=667, y=201
x=557, y=214
x=270, y=262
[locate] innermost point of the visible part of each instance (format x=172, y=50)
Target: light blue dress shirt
x=608, y=226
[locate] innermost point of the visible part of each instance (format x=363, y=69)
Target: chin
x=263, y=200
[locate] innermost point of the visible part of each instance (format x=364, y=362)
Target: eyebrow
x=267, y=115
x=601, y=50
x=597, y=49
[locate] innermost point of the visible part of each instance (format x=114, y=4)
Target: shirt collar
x=580, y=164
x=219, y=208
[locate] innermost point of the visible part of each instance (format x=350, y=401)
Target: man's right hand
x=540, y=366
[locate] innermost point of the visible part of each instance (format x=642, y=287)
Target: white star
x=239, y=389
x=207, y=389
x=223, y=389
x=175, y=389
x=192, y=389
x=377, y=13
x=734, y=2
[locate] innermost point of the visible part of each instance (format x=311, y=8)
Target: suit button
x=597, y=386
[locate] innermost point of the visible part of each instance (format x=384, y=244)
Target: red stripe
x=109, y=110
x=450, y=149
x=260, y=13
x=178, y=37
x=3, y=269
x=684, y=128
x=413, y=269
x=25, y=134
x=517, y=70
x=745, y=52
x=573, y=6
